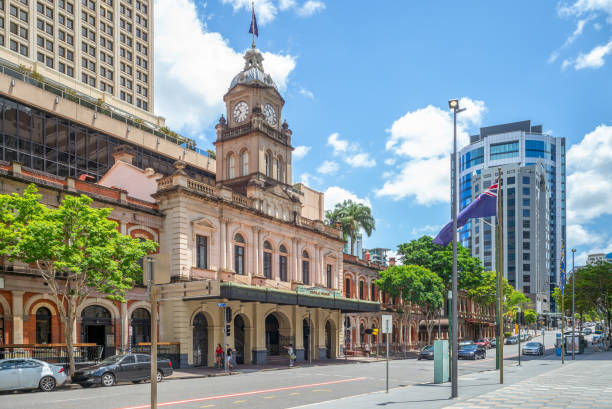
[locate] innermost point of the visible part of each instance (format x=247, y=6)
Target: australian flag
x=562, y=268
x=253, y=28
x=484, y=205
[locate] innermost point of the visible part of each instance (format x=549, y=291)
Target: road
x=265, y=390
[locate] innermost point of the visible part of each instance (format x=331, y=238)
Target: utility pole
x=500, y=274
x=518, y=321
x=152, y=293
x=310, y=349
x=573, y=309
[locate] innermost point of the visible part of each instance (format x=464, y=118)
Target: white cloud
x=427, y=229
x=594, y=58
x=390, y=161
x=339, y=145
x=425, y=137
x=428, y=180
x=308, y=179
x=300, y=151
x=189, y=89
x=589, y=183
x=329, y=167
x=286, y=4
x=582, y=7
x=336, y=194
x=577, y=235
x=310, y=7
x=307, y=93
x=360, y=160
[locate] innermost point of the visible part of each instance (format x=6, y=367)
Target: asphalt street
x=266, y=390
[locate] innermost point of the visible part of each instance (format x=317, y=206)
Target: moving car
x=28, y=373
x=426, y=353
x=472, y=352
x=118, y=368
x=533, y=348
x=484, y=342
x=513, y=340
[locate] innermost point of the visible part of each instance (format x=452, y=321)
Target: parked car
x=484, y=342
x=426, y=353
x=533, y=348
x=493, y=342
x=512, y=340
x=524, y=337
x=472, y=351
x=119, y=368
x=28, y=373
x=466, y=342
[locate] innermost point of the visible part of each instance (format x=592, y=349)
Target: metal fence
x=165, y=350
x=52, y=353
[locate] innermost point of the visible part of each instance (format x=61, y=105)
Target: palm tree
x=352, y=217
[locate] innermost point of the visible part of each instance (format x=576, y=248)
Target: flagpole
x=500, y=274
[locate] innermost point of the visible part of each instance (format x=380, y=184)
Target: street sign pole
x=386, y=329
x=224, y=329
x=518, y=320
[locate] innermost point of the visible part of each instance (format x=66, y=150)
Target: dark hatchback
x=472, y=352
x=426, y=353
x=120, y=368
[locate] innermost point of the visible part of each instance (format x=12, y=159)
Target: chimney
x=123, y=153
x=391, y=261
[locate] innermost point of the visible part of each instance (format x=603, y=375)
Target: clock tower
x=253, y=143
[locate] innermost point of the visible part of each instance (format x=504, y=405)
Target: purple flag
x=253, y=28
x=484, y=205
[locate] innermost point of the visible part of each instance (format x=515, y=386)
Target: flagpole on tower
x=253, y=29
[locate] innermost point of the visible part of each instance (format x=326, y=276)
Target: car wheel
x=108, y=379
x=47, y=384
x=159, y=377
x=419, y=358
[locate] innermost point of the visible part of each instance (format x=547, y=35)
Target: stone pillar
x=124, y=327
x=294, y=260
x=228, y=246
x=223, y=244
x=259, y=346
x=323, y=268
x=317, y=265
x=17, y=308
x=255, y=251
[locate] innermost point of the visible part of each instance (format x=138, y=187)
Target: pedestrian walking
x=228, y=358
x=219, y=356
x=291, y=354
x=366, y=348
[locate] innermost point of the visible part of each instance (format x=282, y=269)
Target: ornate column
x=223, y=244
x=255, y=251
x=294, y=260
x=228, y=245
x=17, y=308
x=124, y=327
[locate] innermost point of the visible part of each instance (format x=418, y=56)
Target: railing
x=52, y=353
x=249, y=127
x=201, y=187
x=245, y=201
x=165, y=350
x=164, y=183
x=60, y=90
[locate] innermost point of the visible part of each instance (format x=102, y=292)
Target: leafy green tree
x=439, y=259
x=78, y=251
x=593, y=290
x=484, y=294
x=531, y=316
x=415, y=285
x=352, y=217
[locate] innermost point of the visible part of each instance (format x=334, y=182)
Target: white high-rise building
x=515, y=146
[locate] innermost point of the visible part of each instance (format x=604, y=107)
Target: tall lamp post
x=152, y=296
x=453, y=104
x=573, y=309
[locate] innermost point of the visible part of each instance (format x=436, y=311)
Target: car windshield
x=112, y=360
x=480, y=340
x=469, y=347
x=533, y=344
x=428, y=348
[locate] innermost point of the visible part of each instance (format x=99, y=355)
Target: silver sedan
x=27, y=373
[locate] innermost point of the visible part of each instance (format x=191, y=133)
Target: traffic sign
x=387, y=324
x=221, y=304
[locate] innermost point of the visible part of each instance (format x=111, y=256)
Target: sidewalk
x=585, y=383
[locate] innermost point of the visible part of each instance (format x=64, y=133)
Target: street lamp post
x=573, y=309
x=152, y=295
x=453, y=104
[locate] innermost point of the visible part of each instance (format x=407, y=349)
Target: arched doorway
x=272, y=336
x=328, y=340
x=43, y=326
x=200, y=340
x=141, y=326
x=239, y=339
x=306, y=339
x=97, y=328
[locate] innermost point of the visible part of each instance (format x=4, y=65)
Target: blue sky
x=366, y=86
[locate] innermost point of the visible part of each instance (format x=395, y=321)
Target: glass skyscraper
x=514, y=146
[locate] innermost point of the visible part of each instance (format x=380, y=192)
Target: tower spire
x=253, y=28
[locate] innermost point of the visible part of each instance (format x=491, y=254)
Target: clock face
x=241, y=110
x=270, y=114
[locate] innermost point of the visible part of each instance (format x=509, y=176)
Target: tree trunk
x=70, y=324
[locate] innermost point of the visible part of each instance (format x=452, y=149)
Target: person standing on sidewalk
x=228, y=358
x=366, y=347
x=219, y=356
x=291, y=354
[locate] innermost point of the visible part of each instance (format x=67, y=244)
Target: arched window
x=347, y=287
x=141, y=326
x=244, y=162
x=361, y=334
x=282, y=263
x=231, y=166
x=305, y=267
x=361, y=290
x=278, y=169
x=373, y=292
x=267, y=260
x=268, y=165
x=239, y=254
x=43, y=326
x=329, y=276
